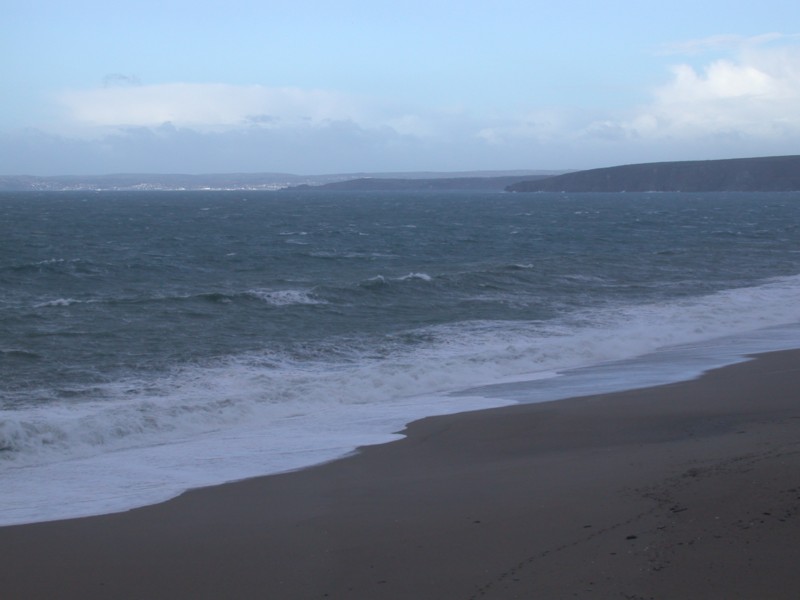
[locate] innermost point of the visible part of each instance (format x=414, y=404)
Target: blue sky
x=346, y=86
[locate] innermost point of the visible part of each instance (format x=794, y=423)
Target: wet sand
x=688, y=490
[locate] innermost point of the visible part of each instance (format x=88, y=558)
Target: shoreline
x=686, y=490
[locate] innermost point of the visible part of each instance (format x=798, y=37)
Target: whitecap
x=57, y=302
x=420, y=276
x=285, y=297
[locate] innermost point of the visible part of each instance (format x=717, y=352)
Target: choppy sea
x=152, y=342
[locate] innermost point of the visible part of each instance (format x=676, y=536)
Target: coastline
x=686, y=490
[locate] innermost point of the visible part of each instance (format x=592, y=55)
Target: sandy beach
x=688, y=490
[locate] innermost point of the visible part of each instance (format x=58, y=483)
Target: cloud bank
x=725, y=96
x=207, y=106
x=755, y=94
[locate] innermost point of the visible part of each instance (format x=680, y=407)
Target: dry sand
x=689, y=490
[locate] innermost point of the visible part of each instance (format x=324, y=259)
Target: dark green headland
x=765, y=174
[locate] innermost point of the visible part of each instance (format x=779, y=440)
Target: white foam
x=260, y=413
x=286, y=297
x=420, y=276
x=57, y=302
x=120, y=480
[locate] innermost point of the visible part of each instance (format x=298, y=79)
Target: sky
x=346, y=86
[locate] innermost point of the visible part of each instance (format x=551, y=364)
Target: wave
x=328, y=255
x=48, y=262
x=286, y=297
x=417, y=276
x=18, y=353
x=380, y=281
x=58, y=302
x=145, y=440
x=272, y=297
x=260, y=388
x=74, y=266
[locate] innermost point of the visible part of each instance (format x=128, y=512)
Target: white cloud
x=751, y=91
x=754, y=94
x=223, y=107
x=409, y=124
x=209, y=105
x=744, y=100
x=541, y=125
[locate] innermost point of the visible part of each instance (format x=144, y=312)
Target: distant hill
x=376, y=184
x=477, y=180
x=766, y=174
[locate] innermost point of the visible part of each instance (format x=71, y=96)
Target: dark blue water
x=131, y=320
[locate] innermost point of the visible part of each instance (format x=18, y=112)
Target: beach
x=687, y=490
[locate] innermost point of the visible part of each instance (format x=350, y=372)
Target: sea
x=154, y=342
